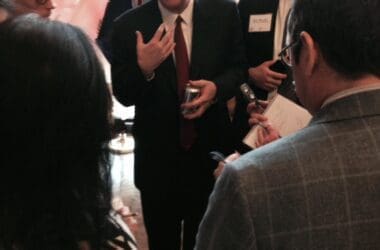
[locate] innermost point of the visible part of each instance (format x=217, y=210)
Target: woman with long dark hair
x=55, y=125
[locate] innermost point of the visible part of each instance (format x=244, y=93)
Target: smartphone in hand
x=279, y=67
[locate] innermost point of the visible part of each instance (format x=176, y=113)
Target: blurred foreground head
x=55, y=107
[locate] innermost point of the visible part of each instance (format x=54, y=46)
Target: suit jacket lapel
x=358, y=105
x=153, y=19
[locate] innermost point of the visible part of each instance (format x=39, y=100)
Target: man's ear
x=311, y=53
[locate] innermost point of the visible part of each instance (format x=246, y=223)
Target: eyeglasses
x=285, y=53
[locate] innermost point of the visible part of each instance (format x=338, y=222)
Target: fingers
x=157, y=36
x=203, y=101
x=195, y=103
x=274, y=82
x=263, y=103
x=266, y=134
x=260, y=137
x=256, y=119
x=168, y=37
x=199, y=110
x=232, y=157
x=218, y=171
x=169, y=49
x=269, y=62
x=207, y=94
x=166, y=43
x=277, y=76
x=273, y=134
x=139, y=39
x=151, y=54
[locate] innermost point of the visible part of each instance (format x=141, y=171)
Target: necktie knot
x=179, y=20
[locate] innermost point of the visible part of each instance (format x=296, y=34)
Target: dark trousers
x=172, y=215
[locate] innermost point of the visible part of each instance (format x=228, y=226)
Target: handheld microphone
x=248, y=94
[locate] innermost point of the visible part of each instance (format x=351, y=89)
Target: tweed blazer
x=316, y=189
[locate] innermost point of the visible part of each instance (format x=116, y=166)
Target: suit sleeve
x=227, y=223
x=235, y=74
x=128, y=82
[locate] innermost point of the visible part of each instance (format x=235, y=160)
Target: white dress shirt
x=169, y=19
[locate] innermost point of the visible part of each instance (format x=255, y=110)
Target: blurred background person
x=42, y=8
x=5, y=10
x=318, y=188
x=55, y=188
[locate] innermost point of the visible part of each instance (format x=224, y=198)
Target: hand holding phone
x=279, y=67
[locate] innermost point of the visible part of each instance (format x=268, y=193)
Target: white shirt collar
x=169, y=17
x=351, y=91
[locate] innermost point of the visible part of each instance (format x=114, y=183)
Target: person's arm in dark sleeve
x=129, y=83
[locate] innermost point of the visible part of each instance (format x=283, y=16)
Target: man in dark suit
x=318, y=188
x=263, y=25
x=153, y=58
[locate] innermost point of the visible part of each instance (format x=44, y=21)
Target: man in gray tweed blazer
x=319, y=188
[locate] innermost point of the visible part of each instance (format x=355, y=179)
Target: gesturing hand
x=201, y=103
x=151, y=54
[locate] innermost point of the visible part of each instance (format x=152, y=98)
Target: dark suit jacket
x=114, y=9
x=217, y=55
x=317, y=189
x=259, y=48
x=259, y=45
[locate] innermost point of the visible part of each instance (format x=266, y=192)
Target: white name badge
x=260, y=23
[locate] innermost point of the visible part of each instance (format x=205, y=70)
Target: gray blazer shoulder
x=317, y=189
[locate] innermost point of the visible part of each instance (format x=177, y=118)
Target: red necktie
x=139, y=2
x=187, y=131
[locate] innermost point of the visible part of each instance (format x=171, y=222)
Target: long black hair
x=55, y=125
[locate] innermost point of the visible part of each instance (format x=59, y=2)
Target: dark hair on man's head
x=347, y=33
x=55, y=108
